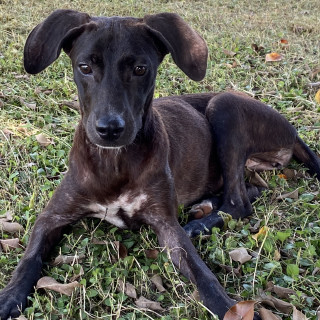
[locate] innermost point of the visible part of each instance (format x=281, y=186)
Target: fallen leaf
x=317, y=97
x=291, y=195
x=61, y=259
x=266, y=314
x=273, y=56
x=51, y=284
x=256, y=179
x=195, y=295
x=257, y=48
x=262, y=232
x=127, y=288
x=281, y=292
x=229, y=53
x=9, y=244
x=10, y=227
x=240, y=255
x=31, y=106
x=157, y=281
x=121, y=249
x=144, y=303
x=43, y=140
x=284, y=41
x=290, y=173
x=152, y=253
x=298, y=315
x=230, y=269
x=71, y=104
x=243, y=310
x=282, y=306
x=277, y=255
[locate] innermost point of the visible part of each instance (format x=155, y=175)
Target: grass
x=289, y=255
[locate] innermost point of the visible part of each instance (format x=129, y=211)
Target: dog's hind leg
x=305, y=155
x=206, y=214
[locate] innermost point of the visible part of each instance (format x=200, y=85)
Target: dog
x=134, y=159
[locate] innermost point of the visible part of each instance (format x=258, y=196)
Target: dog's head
x=115, y=62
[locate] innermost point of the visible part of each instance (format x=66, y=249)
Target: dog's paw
x=195, y=228
x=256, y=316
x=204, y=226
x=11, y=304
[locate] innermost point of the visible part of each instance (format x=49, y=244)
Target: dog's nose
x=110, y=128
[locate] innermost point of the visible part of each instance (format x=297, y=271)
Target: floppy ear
x=187, y=47
x=44, y=43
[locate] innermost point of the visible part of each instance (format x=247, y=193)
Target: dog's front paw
x=11, y=303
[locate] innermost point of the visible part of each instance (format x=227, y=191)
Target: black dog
x=133, y=159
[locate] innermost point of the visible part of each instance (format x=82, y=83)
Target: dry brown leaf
x=257, y=48
x=240, y=255
x=121, y=250
x=43, y=140
x=9, y=244
x=291, y=195
x=195, y=295
x=273, y=56
x=152, y=253
x=266, y=314
x=51, y=284
x=31, y=105
x=290, y=173
x=127, y=288
x=243, y=310
x=144, y=303
x=317, y=97
x=281, y=292
x=298, y=315
x=256, y=179
x=157, y=281
x=229, y=53
x=61, y=259
x=10, y=227
x=282, y=306
x=71, y=104
x=277, y=255
x=284, y=41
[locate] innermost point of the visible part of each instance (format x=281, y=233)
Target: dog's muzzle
x=110, y=128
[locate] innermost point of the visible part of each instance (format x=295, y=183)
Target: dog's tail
x=305, y=155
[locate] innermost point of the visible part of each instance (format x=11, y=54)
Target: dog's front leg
x=185, y=257
x=61, y=211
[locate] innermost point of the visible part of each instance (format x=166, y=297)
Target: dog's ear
x=44, y=43
x=187, y=47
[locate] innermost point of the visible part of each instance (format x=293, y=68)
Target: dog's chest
x=120, y=210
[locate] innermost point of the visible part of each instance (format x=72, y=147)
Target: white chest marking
x=109, y=212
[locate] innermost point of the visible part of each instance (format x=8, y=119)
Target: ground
x=37, y=122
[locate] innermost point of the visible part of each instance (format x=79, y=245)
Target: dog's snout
x=110, y=128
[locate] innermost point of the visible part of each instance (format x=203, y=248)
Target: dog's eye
x=85, y=69
x=139, y=70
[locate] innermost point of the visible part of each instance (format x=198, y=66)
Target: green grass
x=29, y=173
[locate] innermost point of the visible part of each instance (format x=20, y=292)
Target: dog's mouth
x=110, y=131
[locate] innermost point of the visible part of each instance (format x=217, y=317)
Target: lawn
x=37, y=122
